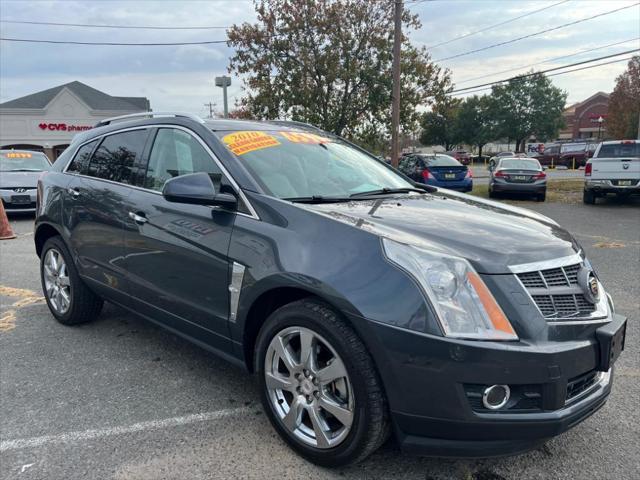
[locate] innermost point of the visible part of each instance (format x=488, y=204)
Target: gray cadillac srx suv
x=365, y=303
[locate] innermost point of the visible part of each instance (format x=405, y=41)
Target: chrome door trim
x=252, y=214
x=237, y=276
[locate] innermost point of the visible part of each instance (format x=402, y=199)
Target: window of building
x=116, y=155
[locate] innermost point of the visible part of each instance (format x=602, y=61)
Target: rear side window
x=115, y=157
x=80, y=163
x=174, y=153
x=619, y=150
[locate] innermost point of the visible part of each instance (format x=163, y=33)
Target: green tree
x=328, y=62
x=474, y=123
x=528, y=105
x=439, y=126
x=624, y=103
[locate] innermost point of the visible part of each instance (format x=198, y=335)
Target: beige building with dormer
x=47, y=121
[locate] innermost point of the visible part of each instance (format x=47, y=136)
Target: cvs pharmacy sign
x=64, y=127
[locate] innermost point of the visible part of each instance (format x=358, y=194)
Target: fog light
x=496, y=396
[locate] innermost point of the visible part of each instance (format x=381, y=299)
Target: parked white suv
x=614, y=168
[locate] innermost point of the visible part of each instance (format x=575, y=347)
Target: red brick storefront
x=582, y=118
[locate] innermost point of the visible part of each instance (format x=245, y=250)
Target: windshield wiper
x=24, y=170
x=386, y=191
x=317, y=199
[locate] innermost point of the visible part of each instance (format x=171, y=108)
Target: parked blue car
x=438, y=170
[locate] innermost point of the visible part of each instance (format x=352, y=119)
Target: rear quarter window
x=80, y=162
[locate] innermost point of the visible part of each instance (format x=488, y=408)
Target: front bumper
x=8, y=198
x=426, y=379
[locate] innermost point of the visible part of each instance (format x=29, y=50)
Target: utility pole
x=224, y=82
x=395, y=96
x=210, y=105
x=638, y=125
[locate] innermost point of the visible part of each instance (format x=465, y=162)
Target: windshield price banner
x=244, y=142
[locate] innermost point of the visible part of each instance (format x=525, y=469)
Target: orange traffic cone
x=6, y=233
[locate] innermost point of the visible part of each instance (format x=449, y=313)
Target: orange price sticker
x=303, y=137
x=248, y=141
x=18, y=155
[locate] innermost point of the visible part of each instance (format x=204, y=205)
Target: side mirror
x=197, y=189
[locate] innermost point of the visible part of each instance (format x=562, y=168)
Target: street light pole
x=600, y=120
x=395, y=96
x=224, y=82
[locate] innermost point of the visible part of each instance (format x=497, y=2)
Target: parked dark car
x=461, y=155
x=576, y=154
x=550, y=156
x=19, y=172
x=518, y=175
x=366, y=304
x=438, y=170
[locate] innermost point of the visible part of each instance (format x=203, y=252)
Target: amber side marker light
x=496, y=315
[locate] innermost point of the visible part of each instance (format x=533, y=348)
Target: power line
x=69, y=42
x=547, y=60
x=546, y=71
x=536, y=33
x=93, y=25
x=550, y=75
x=446, y=42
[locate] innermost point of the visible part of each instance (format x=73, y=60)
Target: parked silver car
x=19, y=173
x=518, y=175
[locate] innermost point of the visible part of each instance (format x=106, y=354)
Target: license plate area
x=520, y=178
x=611, y=338
x=624, y=183
x=20, y=199
x=449, y=176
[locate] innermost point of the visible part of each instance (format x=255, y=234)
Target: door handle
x=139, y=219
x=74, y=192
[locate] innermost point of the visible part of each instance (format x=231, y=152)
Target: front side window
x=174, y=153
x=80, y=163
x=116, y=155
x=291, y=164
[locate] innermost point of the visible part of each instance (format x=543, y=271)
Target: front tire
x=319, y=385
x=68, y=298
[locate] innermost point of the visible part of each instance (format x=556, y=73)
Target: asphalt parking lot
x=122, y=399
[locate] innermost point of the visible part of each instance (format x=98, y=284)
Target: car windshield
x=619, y=150
x=441, y=161
x=520, y=164
x=23, y=161
x=293, y=164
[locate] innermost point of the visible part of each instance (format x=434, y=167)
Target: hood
x=19, y=179
x=490, y=235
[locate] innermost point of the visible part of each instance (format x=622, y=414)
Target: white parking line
x=71, y=437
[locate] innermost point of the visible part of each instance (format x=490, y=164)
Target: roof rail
x=133, y=116
x=293, y=123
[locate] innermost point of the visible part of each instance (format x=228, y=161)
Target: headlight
x=464, y=305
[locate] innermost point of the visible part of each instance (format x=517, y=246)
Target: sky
x=182, y=77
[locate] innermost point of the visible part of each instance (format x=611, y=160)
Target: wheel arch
x=44, y=232
x=268, y=300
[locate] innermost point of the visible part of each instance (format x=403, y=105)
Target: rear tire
x=68, y=298
x=541, y=197
x=589, y=197
x=314, y=432
x=492, y=194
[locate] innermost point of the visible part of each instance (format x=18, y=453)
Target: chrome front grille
x=556, y=292
x=552, y=277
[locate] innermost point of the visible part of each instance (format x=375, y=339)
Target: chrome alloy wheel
x=308, y=387
x=56, y=281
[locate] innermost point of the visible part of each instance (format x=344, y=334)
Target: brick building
x=582, y=119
